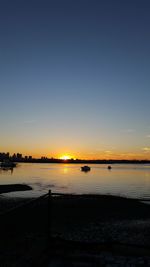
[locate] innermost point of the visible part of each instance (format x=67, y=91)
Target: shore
x=6, y=188
x=82, y=218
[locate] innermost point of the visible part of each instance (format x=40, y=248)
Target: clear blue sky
x=75, y=77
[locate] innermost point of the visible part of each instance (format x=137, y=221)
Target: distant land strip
x=18, y=157
x=83, y=161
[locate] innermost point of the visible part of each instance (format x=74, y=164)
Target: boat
x=7, y=164
x=109, y=167
x=85, y=168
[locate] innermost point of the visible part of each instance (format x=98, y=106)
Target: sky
x=75, y=78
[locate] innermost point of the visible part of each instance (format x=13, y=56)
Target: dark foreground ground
x=75, y=231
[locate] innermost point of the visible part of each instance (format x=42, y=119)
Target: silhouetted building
x=14, y=156
x=19, y=156
x=4, y=156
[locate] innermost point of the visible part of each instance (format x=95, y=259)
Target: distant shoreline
x=80, y=161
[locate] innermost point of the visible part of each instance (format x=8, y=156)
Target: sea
x=128, y=180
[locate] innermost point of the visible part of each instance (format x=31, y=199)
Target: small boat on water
x=85, y=168
x=109, y=167
x=7, y=164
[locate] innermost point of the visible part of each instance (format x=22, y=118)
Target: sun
x=65, y=157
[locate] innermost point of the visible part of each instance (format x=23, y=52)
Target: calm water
x=124, y=180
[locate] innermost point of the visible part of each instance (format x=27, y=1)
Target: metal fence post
x=49, y=214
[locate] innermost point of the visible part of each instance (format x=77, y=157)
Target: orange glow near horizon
x=65, y=157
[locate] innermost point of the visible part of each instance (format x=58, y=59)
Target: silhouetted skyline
x=17, y=157
x=75, y=78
